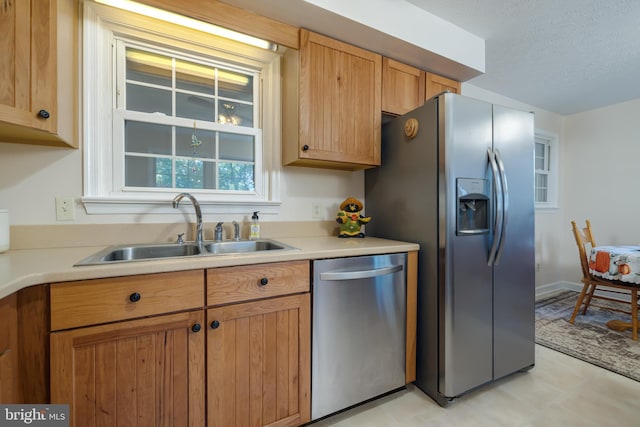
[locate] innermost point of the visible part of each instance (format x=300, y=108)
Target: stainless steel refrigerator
x=457, y=178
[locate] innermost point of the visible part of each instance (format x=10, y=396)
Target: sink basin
x=142, y=252
x=234, y=247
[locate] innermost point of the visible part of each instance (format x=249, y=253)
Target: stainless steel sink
x=141, y=253
x=146, y=252
x=232, y=246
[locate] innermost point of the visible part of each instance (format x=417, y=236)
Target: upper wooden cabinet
x=37, y=80
x=332, y=108
x=437, y=84
x=403, y=87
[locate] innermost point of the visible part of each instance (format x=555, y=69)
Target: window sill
x=111, y=206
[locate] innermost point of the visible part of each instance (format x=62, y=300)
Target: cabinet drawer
x=89, y=302
x=234, y=284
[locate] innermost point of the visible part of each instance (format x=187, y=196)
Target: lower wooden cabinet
x=139, y=372
x=258, y=359
x=9, y=350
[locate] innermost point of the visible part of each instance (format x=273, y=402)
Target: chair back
x=584, y=237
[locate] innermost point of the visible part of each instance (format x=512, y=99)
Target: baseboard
x=549, y=289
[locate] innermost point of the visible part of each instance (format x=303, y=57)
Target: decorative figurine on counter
x=350, y=219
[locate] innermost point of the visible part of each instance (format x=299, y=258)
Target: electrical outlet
x=316, y=210
x=64, y=209
x=537, y=266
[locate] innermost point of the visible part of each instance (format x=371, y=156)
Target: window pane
x=541, y=187
x=148, y=67
x=234, y=113
x=235, y=85
x=148, y=99
x=237, y=147
x=195, y=107
x=147, y=172
x=195, y=77
x=187, y=140
x=195, y=174
x=147, y=138
x=236, y=176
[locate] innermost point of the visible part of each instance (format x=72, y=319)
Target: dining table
x=620, y=263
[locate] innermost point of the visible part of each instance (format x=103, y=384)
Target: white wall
x=601, y=149
x=32, y=176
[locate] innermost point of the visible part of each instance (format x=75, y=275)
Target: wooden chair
x=584, y=237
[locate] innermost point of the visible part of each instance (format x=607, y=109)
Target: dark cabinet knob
x=134, y=297
x=215, y=324
x=43, y=114
x=264, y=281
x=196, y=327
x=305, y=147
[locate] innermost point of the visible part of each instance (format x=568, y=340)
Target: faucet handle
x=180, y=240
x=218, y=231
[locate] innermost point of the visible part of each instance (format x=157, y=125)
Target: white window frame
x=551, y=142
x=103, y=189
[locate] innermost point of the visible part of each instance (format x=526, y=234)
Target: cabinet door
x=9, y=350
x=132, y=373
x=258, y=361
x=340, y=102
x=27, y=63
x=403, y=87
x=437, y=84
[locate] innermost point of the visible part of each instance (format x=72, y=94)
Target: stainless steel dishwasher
x=359, y=324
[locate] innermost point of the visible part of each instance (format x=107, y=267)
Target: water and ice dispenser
x=472, y=196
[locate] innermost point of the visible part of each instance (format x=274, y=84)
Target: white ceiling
x=565, y=56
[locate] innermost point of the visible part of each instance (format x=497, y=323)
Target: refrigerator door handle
x=505, y=205
x=497, y=228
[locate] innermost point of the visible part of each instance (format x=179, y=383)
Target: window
x=172, y=109
x=546, y=170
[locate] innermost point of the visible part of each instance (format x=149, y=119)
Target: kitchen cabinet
x=403, y=87
x=37, y=72
x=24, y=346
x=127, y=350
x=258, y=359
x=9, y=350
x=437, y=84
x=149, y=368
x=149, y=371
x=258, y=353
x=332, y=105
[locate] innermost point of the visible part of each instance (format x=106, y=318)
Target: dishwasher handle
x=359, y=274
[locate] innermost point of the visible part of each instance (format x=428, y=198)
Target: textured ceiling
x=565, y=56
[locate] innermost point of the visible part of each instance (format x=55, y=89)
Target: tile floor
x=559, y=391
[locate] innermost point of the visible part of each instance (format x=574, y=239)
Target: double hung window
x=546, y=173
x=170, y=109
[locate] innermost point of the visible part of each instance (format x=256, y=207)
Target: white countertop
x=22, y=268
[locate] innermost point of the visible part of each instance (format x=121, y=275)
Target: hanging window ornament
x=195, y=143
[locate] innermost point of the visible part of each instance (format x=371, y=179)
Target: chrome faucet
x=236, y=231
x=196, y=205
x=218, y=232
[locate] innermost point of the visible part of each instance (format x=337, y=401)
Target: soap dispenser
x=254, y=233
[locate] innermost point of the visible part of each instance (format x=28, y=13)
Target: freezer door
x=514, y=274
x=465, y=279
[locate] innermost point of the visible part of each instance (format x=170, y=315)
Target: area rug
x=589, y=338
